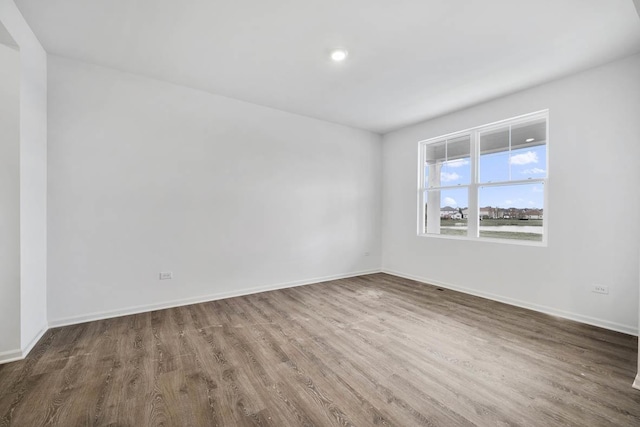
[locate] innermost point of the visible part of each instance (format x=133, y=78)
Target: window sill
x=542, y=244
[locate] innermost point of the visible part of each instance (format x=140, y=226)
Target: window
x=489, y=182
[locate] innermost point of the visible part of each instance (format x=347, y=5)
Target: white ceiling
x=409, y=60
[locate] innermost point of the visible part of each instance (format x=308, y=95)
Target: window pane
x=512, y=211
x=528, y=163
x=529, y=150
x=446, y=211
x=456, y=170
x=436, y=152
x=529, y=134
x=435, y=156
x=494, y=155
x=448, y=162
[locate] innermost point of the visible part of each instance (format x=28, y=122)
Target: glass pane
x=456, y=170
x=446, y=211
x=448, y=162
x=494, y=155
x=512, y=211
x=435, y=156
x=529, y=150
x=529, y=134
x=528, y=163
x=436, y=152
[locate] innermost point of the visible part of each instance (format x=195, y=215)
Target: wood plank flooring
x=370, y=350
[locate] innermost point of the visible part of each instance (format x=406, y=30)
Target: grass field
x=511, y=235
x=459, y=228
x=517, y=222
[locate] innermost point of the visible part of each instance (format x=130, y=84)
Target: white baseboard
x=636, y=382
x=19, y=354
x=10, y=356
x=89, y=317
x=618, y=327
x=27, y=349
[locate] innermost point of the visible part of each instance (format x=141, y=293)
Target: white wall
x=33, y=179
x=636, y=382
x=594, y=147
x=33, y=191
x=9, y=199
x=146, y=176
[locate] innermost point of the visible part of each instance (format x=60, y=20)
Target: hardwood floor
x=371, y=350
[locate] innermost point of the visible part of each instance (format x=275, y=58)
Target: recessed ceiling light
x=531, y=139
x=339, y=55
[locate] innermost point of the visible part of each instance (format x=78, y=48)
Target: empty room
x=319, y=213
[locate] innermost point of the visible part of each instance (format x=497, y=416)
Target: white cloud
x=525, y=158
x=457, y=163
x=537, y=189
x=449, y=176
x=531, y=203
x=448, y=201
x=508, y=202
x=533, y=171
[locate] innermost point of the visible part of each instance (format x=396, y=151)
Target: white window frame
x=474, y=184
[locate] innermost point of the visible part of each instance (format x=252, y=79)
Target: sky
x=524, y=163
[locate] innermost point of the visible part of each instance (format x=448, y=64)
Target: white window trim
x=474, y=185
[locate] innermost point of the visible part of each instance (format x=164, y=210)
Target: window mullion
x=433, y=199
x=472, y=220
x=510, y=152
x=518, y=182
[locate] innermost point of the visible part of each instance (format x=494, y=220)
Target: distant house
x=534, y=214
x=488, y=213
x=448, y=212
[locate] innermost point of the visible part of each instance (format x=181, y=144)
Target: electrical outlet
x=600, y=289
x=166, y=275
